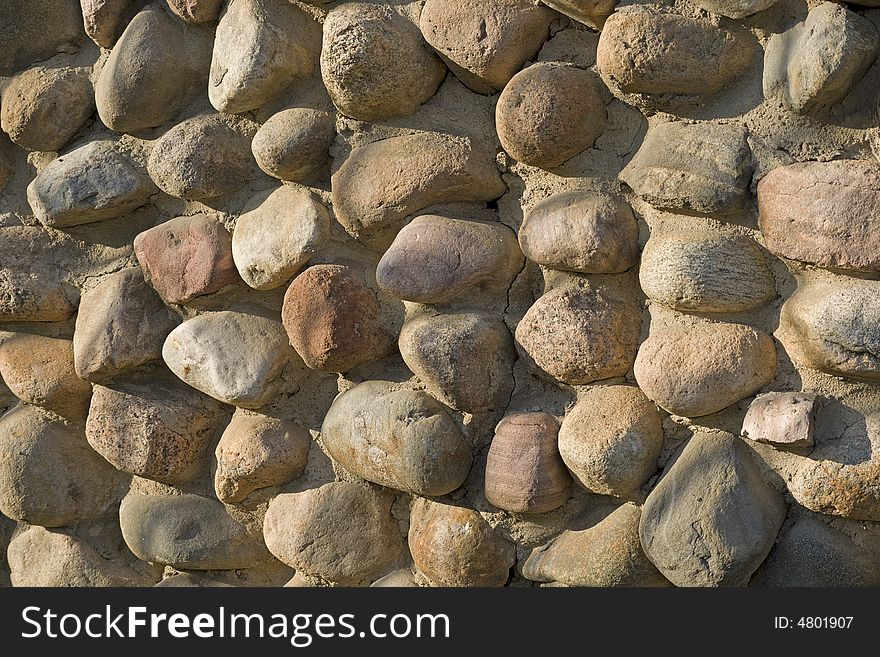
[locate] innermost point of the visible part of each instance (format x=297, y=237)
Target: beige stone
x=294, y=144
x=782, y=419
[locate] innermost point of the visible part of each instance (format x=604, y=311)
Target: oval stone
x=294, y=144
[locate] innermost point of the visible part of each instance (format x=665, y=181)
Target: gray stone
x=712, y=519
x=693, y=168
x=589, y=12
x=294, y=144
x=396, y=437
x=588, y=232
x=735, y=8
x=782, y=419
x=122, y=323
x=197, y=11
x=90, y=183
x=231, y=356
x=375, y=63
x=31, y=30
x=105, y=20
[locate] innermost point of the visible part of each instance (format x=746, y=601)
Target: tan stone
x=782, y=419
x=294, y=144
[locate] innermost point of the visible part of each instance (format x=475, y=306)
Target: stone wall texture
x=439, y=293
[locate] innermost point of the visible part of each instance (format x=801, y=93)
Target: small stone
x=823, y=213
x=32, y=30
x=334, y=319
x=548, y=113
x=277, y=233
x=588, y=232
x=186, y=257
x=396, y=437
x=464, y=359
x=196, y=11
x=39, y=371
x=611, y=440
x=454, y=546
x=42, y=108
x=434, y=259
x=231, y=356
x=383, y=182
x=294, y=144
x=712, y=519
x=256, y=451
x=91, y=183
x=7, y=167
x=834, y=327
x=203, y=157
x=735, y=8
x=191, y=532
x=814, y=65
x=589, y=12
x=375, y=63
x=261, y=46
x=691, y=366
x=705, y=271
x=812, y=553
x=159, y=431
x=304, y=530
x=485, y=42
x=31, y=285
x=157, y=67
x=782, y=419
x=49, y=476
x=606, y=554
x=578, y=336
x=42, y=558
x=524, y=473
x=106, y=19
x=399, y=579
x=693, y=168
x=644, y=51
x=122, y=323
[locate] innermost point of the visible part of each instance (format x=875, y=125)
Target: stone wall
x=442, y=292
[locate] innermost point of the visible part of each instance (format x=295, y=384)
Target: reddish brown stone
x=186, y=257
x=334, y=319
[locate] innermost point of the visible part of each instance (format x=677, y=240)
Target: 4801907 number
x=813, y=622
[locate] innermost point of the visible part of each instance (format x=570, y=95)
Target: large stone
x=294, y=144
x=434, y=259
x=105, y=20
x=823, y=213
x=261, y=46
x=383, y=182
x=701, y=168
x=705, y=271
x=342, y=532
x=485, y=42
x=814, y=65
x=375, y=63
x=32, y=30
x=231, y=356
x=334, y=319
x=203, y=157
x=548, y=113
x=464, y=359
x=396, y=437
x=812, y=553
x=454, y=546
x=256, y=451
x=157, y=67
x=39, y=557
x=782, y=419
x=692, y=366
x=834, y=327
x=524, y=472
x=712, y=519
x=40, y=371
x=186, y=257
x=611, y=440
x=589, y=12
x=644, y=51
x=190, y=531
x=49, y=476
x=577, y=336
x=160, y=430
x=276, y=235
x=31, y=285
x=196, y=11
x=589, y=232
x=91, y=183
x=607, y=554
x=42, y=108
x=122, y=323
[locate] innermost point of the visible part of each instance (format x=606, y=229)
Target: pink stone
x=781, y=419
